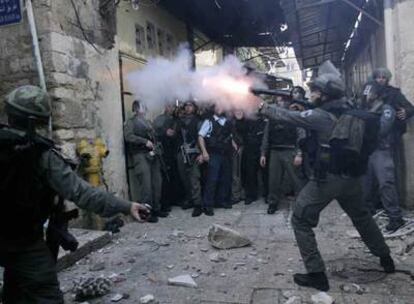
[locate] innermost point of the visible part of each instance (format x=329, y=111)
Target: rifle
x=274, y=92
x=283, y=93
x=57, y=234
x=186, y=151
x=158, y=152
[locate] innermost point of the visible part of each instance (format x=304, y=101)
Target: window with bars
x=169, y=44
x=161, y=41
x=139, y=38
x=151, y=36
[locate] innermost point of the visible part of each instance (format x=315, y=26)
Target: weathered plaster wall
x=127, y=18
x=404, y=78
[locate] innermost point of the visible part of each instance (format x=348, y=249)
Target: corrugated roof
x=319, y=29
x=233, y=22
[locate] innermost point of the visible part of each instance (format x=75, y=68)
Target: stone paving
x=143, y=257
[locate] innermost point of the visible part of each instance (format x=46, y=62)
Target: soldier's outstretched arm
x=62, y=179
x=315, y=119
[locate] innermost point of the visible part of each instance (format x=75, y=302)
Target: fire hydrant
x=91, y=155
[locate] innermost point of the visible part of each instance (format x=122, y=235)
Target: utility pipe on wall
x=389, y=36
x=36, y=51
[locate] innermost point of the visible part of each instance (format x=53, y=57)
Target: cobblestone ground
x=143, y=256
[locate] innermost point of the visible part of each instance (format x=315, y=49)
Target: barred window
x=169, y=44
x=150, y=36
x=161, y=41
x=139, y=38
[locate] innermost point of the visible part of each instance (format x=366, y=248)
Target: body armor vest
x=26, y=199
x=220, y=138
x=281, y=135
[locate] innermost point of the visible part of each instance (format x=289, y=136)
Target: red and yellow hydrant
x=91, y=155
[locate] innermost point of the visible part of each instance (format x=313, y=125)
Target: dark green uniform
x=30, y=272
x=172, y=193
x=147, y=168
x=317, y=194
x=186, y=159
x=279, y=145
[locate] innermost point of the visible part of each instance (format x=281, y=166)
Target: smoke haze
x=163, y=81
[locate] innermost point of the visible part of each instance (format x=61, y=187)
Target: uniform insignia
x=387, y=114
x=306, y=113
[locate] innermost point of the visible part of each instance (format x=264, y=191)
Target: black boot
x=248, y=201
x=272, y=209
x=186, y=206
x=153, y=219
x=162, y=213
x=209, y=211
x=388, y=264
x=197, y=212
x=317, y=280
x=394, y=225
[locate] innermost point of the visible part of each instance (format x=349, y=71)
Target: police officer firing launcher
x=33, y=173
x=329, y=180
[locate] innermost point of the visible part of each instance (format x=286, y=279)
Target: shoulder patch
x=387, y=113
x=68, y=160
x=306, y=113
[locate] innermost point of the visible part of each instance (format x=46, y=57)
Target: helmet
x=28, y=101
x=384, y=72
x=329, y=81
x=298, y=89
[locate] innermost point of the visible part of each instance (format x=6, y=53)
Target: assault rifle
x=186, y=152
x=159, y=152
x=283, y=93
x=273, y=92
x=57, y=234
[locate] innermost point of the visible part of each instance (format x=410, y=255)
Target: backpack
x=354, y=138
x=25, y=199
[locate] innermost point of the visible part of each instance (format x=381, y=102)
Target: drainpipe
x=36, y=51
x=389, y=35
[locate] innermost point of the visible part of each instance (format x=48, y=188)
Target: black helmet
x=298, y=89
x=28, y=101
x=384, y=72
x=329, y=81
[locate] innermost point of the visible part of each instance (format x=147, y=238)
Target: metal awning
x=319, y=29
x=234, y=23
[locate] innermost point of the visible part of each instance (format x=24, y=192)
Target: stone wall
x=80, y=57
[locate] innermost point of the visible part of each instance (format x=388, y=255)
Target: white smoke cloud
x=163, y=81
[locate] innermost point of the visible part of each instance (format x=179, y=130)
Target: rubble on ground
x=183, y=280
x=225, y=238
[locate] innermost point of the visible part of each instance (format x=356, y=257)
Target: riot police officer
x=33, y=173
x=217, y=144
x=251, y=130
x=383, y=162
x=189, y=157
x=326, y=184
x=165, y=126
x=279, y=149
x=146, y=155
